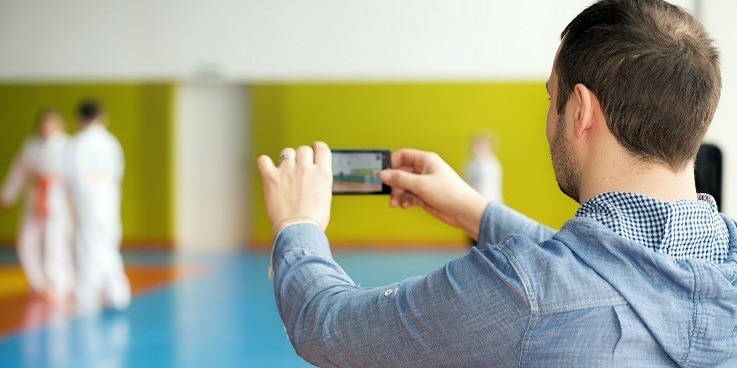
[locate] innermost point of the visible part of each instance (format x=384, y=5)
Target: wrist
x=284, y=223
x=472, y=222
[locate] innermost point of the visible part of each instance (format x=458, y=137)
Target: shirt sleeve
x=16, y=178
x=462, y=314
x=499, y=221
x=71, y=173
x=118, y=163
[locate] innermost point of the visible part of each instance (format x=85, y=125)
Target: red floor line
x=26, y=312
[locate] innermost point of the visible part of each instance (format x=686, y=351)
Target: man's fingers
x=287, y=156
x=305, y=156
x=400, y=179
x=323, y=156
x=395, y=197
x=265, y=165
x=388, y=177
x=405, y=157
x=408, y=199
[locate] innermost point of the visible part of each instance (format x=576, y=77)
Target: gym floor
x=187, y=311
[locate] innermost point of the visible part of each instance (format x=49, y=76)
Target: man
x=44, y=242
x=644, y=275
x=95, y=170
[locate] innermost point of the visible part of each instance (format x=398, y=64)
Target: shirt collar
x=682, y=229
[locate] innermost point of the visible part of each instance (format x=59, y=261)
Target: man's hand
x=423, y=179
x=299, y=189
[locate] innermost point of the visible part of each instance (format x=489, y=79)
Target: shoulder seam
x=531, y=298
x=695, y=328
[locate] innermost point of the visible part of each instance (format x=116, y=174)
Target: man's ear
x=584, y=118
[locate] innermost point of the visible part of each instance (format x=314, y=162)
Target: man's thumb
x=399, y=179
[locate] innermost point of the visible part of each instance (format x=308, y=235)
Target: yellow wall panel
x=433, y=116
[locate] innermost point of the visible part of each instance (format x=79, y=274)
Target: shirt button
x=388, y=292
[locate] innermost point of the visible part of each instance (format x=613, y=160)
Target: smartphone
x=356, y=171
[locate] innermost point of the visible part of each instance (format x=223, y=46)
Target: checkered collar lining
x=682, y=229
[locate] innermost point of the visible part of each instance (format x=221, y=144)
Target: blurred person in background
x=44, y=242
x=483, y=170
x=95, y=172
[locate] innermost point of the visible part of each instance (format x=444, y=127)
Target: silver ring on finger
x=286, y=156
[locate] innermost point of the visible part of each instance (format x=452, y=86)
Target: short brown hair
x=89, y=109
x=653, y=68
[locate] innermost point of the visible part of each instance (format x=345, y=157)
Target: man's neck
x=630, y=174
x=92, y=124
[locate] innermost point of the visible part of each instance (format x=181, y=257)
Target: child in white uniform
x=483, y=171
x=95, y=172
x=44, y=243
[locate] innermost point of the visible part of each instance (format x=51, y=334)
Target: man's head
x=482, y=144
x=89, y=110
x=48, y=122
x=654, y=75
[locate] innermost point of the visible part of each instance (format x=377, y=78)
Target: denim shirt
x=527, y=296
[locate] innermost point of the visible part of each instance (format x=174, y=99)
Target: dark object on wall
x=709, y=171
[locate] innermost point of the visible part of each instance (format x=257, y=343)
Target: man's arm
x=423, y=179
x=118, y=164
x=15, y=180
x=498, y=221
x=471, y=312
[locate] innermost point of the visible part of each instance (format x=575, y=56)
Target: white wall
x=719, y=17
x=251, y=40
x=211, y=186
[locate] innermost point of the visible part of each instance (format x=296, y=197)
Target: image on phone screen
x=357, y=171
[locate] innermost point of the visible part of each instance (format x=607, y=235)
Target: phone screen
x=357, y=171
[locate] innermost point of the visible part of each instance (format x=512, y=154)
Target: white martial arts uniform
x=95, y=171
x=485, y=175
x=44, y=240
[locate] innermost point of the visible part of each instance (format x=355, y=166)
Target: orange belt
x=41, y=189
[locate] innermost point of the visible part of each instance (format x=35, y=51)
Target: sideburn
x=566, y=174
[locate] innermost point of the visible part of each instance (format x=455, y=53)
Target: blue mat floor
x=224, y=318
